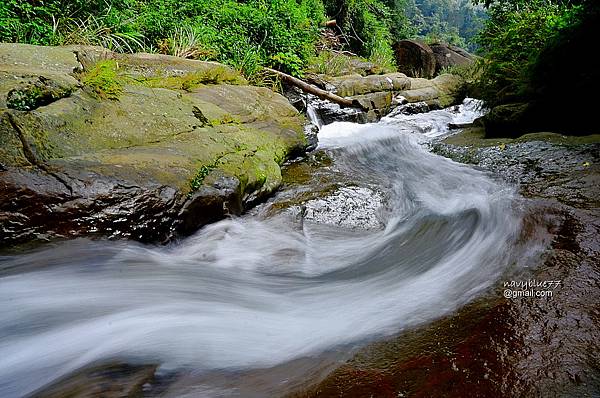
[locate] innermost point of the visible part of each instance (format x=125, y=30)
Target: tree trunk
x=326, y=95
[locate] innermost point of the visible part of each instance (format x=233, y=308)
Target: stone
x=443, y=91
x=162, y=159
x=415, y=58
x=447, y=55
x=351, y=85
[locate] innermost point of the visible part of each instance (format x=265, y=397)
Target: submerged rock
x=137, y=146
x=349, y=207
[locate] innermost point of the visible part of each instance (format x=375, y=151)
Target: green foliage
x=244, y=34
x=512, y=40
x=468, y=72
x=198, y=179
x=331, y=64
x=116, y=36
x=24, y=100
x=365, y=25
x=452, y=21
x=48, y=22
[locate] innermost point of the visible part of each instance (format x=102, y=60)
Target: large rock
x=351, y=85
x=447, y=55
x=443, y=91
x=380, y=94
x=508, y=120
x=172, y=152
x=415, y=58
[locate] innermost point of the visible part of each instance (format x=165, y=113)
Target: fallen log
x=309, y=88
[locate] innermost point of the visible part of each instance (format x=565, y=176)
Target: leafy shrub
x=512, y=40
x=365, y=25
x=97, y=31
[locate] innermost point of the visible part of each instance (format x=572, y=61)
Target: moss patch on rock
x=146, y=126
x=104, y=80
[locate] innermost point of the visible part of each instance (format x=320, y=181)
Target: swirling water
x=255, y=292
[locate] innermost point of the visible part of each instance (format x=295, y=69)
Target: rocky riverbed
x=499, y=346
x=373, y=267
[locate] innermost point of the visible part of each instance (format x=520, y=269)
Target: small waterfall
x=313, y=116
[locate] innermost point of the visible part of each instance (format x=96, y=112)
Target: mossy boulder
x=443, y=91
x=351, y=85
x=380, y=94
x=508, y=120
x=179, y=144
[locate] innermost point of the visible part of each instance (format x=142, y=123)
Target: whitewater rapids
x=255, y=292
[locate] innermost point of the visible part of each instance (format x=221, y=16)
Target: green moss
x=107, y=79
x=475, y=137
x=103, y=78
x=189, y=81
x=226, y=118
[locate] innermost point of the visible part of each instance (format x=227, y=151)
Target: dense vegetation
x=453, y=21
x=536, y=52
x=513, y=39
x=245, y=34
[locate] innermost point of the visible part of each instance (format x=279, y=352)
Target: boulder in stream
x=139, y=146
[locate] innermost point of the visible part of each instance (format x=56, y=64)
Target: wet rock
x=349, y=207
x=389, y=91
x=210, y=203
x=547, y=165
x=503, y=347
x=411, y=109
x=126, y=167
x=415, y=58
x=108, y=381
x=35, y=205
x=329, y=112
x=311, y=132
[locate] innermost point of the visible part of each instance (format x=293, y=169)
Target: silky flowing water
x=257, y=291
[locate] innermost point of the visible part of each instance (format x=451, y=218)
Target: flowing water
x=255, y=291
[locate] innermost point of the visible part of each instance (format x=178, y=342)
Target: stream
x=425, y=237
